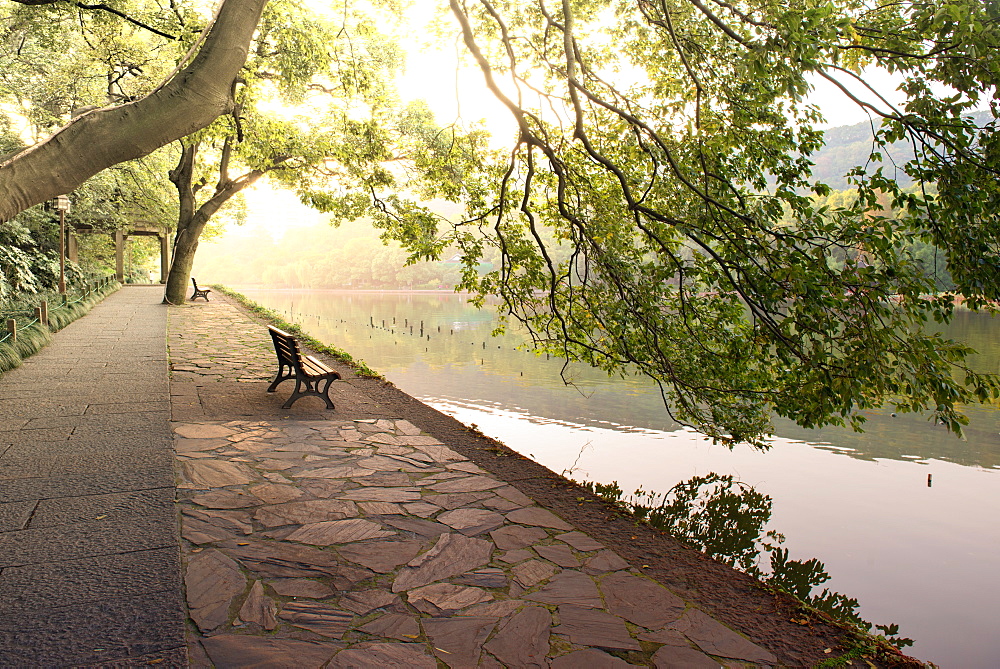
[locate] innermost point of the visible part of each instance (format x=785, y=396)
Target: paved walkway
x=89, y=569
x=309, y=538
x=347, y=539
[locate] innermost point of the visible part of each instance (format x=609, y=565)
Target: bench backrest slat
x=286, y=347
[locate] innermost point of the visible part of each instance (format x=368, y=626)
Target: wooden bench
x=307, y=371
x=198, y=292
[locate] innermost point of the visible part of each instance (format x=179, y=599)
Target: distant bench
x=307, y=371
x=199, y=292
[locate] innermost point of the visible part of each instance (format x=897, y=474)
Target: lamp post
x=62, y=205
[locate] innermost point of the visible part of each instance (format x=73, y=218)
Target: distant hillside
x=850, y=145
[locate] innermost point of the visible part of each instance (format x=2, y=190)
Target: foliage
x=725, y=519
x=640, y=215
x=60, y=61
x=315, y=100
x=29, y=264
x=664, y=145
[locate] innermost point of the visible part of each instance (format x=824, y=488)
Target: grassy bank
x=274, y=319
x=33, y=335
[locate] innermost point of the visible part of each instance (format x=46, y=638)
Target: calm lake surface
x=924, y=556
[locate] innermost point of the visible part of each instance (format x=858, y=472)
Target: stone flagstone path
x=314, y=541
x=367, y=544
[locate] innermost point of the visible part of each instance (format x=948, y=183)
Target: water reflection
x=438, y=345
x=727, y=520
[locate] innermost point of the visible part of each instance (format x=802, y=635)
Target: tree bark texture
x=192, y=218
x=179, y=279
x=190, y=100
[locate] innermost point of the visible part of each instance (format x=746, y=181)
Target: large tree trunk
x=189, y=225
x=192, y=219
x=185, y=247
x=188, y=101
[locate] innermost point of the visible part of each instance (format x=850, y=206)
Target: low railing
x=43, y=312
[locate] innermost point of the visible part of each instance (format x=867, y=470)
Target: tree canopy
x=309, y=88
x=666, y=147
x=655, y=213
x=190, y=97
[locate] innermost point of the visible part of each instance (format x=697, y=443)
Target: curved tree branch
x=103, y=7
x=191, y=99
x=125, y=16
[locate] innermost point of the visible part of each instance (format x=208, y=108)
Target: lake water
x=920, y=552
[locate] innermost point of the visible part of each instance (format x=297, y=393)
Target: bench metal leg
x=282, y=375
x=325, y=393
x=311, y=388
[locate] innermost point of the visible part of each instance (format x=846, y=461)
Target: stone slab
x=458, y=642
x=394, y=626
x=301, y=587
x=330, y=532
x=580, y=541
x=225, y=499
x=523, y=639
x=382, y=556
x=532, y=572
x=384, y=656
x=319, y=618
x=514, y=537
x=471, y=521
x=284, y=560
x=239, y=651
x=559, y=554
x=715, y=638
x=212, y=580
x=417, y=526
x=591, y=658
x=590, y=627
x=538, y=517
x=569, y=587
x=274, y=493
x=382, y=495
x=446, y=599
x=451, y=555
x=641, y=600
x=207, y=474
x=308, y=511
x=677, y=657
x=606, y=560
x=258, y=608
x=467, y=484
x=364, y=602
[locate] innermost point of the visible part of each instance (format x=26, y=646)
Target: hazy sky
x=433, y=74
x=456, y=92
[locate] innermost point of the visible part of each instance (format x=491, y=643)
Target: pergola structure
x=138, y=229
